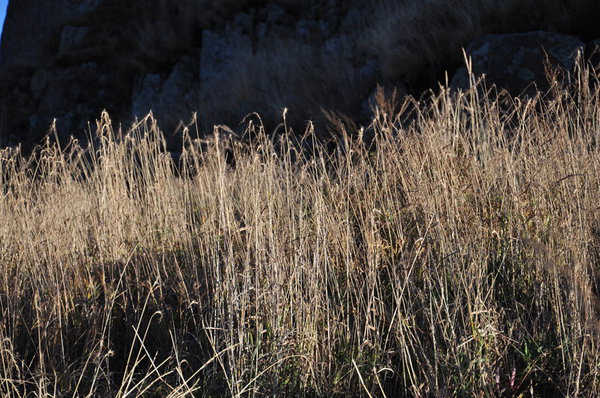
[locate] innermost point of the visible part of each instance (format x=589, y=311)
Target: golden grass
x=457, y=255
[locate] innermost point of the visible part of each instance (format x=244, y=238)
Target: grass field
x=457, y=254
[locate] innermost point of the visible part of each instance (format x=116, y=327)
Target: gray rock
x=61, y=88
x=224, y=58
x=244, y=22
x=27, y=38
x=218, y=56
x=171, y=99
x=276, y=14
x=73, y=37
x=593, y=54
x=517, y=62
x=146, y=95
x=86, y=6
x=39, y=82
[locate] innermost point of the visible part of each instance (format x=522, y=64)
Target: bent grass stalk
x=455, y=255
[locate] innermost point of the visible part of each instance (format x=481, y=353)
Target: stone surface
x=218, y=55
x=321, y=59
x=518, y=62
x=172, y=98
x=593, y=54
x=32, y=26
x=73, y=37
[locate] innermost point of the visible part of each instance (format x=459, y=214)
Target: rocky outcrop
x=221, y=59
x=32, y=29
x=593, y=54
x=520, y=62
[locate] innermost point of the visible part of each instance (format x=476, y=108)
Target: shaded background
x=323, y=60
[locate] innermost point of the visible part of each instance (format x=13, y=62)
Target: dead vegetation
x=455, y=256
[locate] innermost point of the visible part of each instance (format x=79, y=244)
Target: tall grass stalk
x=456, y=255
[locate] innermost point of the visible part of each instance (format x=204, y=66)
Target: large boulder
x=32, y=27
x=593, y=54
x=519, y=62
x=170, y=97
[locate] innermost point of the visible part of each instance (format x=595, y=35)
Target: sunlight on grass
x=455, y=254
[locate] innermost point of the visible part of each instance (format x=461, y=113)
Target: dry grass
x=456, y=256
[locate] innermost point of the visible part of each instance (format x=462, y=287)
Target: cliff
x=69, y=59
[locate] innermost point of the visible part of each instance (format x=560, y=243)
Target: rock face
x=30, y=45
x=593, y=54
x=519, y=62
x=221, y=59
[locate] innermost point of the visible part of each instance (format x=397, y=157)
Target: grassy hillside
x=458, y=255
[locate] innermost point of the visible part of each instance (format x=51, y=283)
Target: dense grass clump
x=455, y=255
